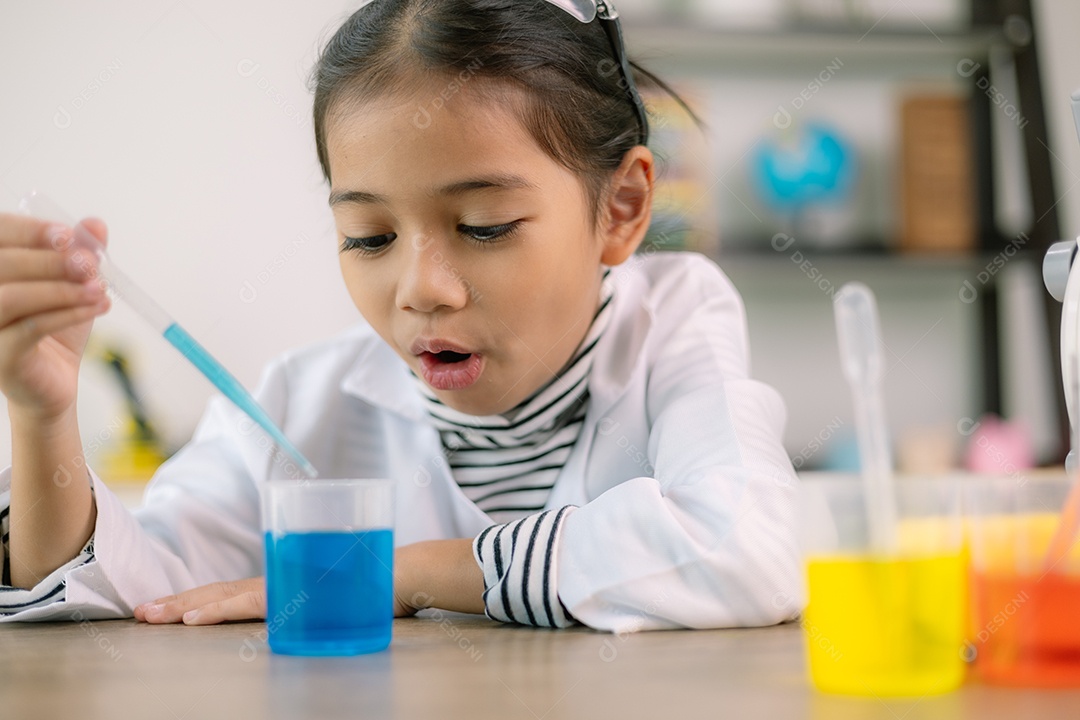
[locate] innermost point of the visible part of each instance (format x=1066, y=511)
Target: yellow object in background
x=886, y=626
x=132, y=459
x=135, y=456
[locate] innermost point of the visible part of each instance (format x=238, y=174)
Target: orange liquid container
x=1025, y=623
x=1028, y=629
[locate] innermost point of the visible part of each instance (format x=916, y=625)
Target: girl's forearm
x=52, y=511
x=441, y=574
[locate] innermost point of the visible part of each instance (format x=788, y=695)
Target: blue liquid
x=330, y=593
x=223, y=380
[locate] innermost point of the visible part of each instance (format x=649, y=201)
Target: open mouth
x=450, y=369
x=449, y=356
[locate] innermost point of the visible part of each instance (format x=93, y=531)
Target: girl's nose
x=430, y=280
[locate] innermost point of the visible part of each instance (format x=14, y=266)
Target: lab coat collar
x=380, y=377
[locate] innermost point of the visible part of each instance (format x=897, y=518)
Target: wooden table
x=452, y=666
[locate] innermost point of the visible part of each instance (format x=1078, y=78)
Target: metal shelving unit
x=996, y=27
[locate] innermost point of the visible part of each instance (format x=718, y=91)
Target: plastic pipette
x=119, y=285
x=858, y=329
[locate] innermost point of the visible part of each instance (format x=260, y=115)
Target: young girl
x=572, y=428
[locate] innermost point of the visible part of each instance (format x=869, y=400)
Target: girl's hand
x=209, y=604
x=223, y=601
x=436, y=573
x=48, y=300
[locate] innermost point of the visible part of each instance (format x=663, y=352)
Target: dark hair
x=576, y=105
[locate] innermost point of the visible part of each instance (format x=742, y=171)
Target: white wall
x=186, y=126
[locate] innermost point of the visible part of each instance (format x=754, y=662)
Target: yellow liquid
x=886, y=627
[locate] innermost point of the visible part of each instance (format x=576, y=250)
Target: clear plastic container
x=884, y=624
x=329, y=565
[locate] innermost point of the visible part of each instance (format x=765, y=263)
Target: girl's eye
x=372, y=245
x=367, y=244
x=491, y=233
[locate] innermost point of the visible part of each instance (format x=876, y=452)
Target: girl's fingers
x=21, y=336
x=23, y=264
x=27, y=231
x=97, y=228
x=172, y=608
x=21, y=300
x=249, y=606
x=30, y=232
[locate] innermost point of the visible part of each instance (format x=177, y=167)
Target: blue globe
x=812, y=164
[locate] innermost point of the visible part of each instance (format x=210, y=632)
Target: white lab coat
x=687, y=497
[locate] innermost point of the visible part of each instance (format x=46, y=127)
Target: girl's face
x=465, y=246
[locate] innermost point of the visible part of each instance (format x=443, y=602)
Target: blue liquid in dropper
x=232, y=389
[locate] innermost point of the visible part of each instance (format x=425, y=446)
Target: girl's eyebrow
x=355, y=196
x=487, y=182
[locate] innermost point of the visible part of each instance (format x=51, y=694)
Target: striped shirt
x=518, y=560
x=507, y=464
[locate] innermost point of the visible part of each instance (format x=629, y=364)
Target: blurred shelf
x=862, y=259
x=792, y=59
x=811, y=276
x=883, y=261
x=676, y=43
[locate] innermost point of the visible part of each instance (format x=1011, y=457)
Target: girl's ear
x=628, y=208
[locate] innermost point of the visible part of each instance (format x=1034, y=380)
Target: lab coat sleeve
x=709, y=540
x=50, y=589
x=199, y=522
